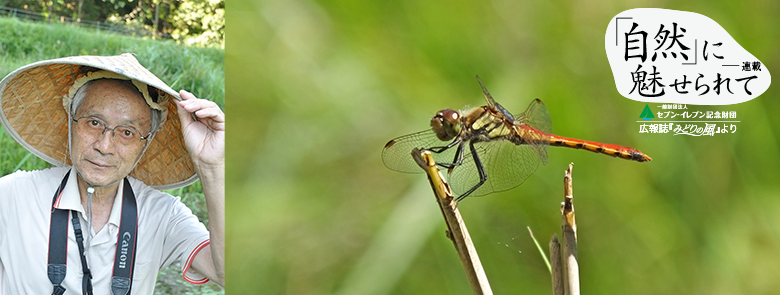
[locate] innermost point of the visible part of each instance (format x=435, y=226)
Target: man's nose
x=105, y=142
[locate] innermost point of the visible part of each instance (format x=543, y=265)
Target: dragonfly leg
x=457, y=160
x=480, y=169
x=440, y=149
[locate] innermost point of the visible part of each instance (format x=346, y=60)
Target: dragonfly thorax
x=446, y=124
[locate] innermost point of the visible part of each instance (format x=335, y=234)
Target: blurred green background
x=316, y=88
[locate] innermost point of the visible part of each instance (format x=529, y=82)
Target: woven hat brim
x=32, y=113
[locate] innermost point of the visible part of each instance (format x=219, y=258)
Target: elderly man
x=96, y=221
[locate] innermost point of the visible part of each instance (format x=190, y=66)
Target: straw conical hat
x=31, y=109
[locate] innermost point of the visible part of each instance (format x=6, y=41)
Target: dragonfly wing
x=397, y=152
x=507, y=165
x=493, y=103
x=536, y=116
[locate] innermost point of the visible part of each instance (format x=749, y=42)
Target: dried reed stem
x=555, y=263
x=456, y=232
x=570, y=266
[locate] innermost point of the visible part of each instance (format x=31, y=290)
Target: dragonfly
x=486, y=149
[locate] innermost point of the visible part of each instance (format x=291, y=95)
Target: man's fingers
x=214, y=114
x=184, y=115
x=199, y=103
x=186, y=95
x=208, y=107
x=202, y=109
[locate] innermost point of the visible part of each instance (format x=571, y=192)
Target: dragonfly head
x=446, y=124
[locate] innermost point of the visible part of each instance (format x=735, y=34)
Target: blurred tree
x=203, y=19
x=199, y=22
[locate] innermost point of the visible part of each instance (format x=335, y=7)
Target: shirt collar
x=71, y=198
x=116, y=209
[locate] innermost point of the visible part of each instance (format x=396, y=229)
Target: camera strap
x=121, y=279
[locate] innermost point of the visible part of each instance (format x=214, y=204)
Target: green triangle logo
x=647, y=114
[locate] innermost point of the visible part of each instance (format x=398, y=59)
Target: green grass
x=13, y=157
x=198, y=70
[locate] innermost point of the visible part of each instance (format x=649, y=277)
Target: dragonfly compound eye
x=446, y=124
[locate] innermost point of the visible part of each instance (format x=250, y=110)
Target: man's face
x=102, y=160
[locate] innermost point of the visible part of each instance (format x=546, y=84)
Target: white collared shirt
x=168, y=232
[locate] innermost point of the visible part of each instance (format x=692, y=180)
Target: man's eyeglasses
x=93, y=127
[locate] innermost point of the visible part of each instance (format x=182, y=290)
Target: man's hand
x=205, y=141
x=204, y=138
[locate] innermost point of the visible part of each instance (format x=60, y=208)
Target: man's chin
x=97, y=179
x=99, y=182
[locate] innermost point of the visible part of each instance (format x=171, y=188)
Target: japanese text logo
x=669, y=56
